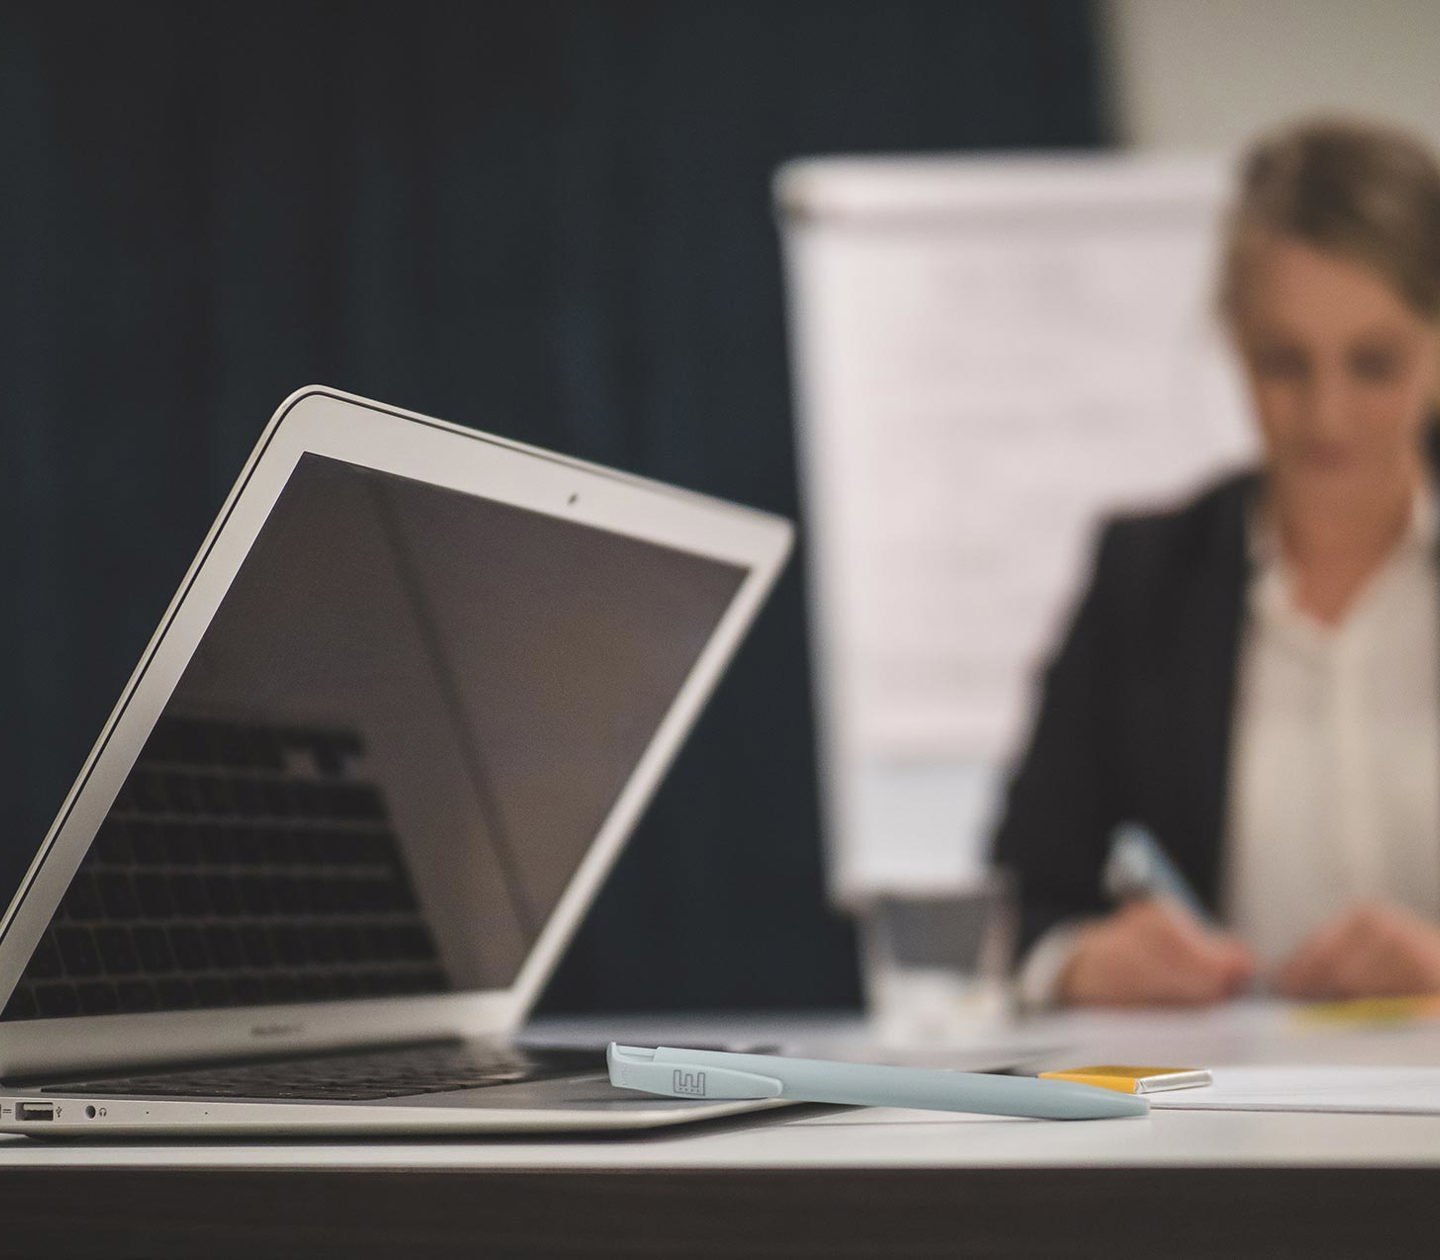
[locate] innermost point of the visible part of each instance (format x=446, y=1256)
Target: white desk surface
x=882, y=1138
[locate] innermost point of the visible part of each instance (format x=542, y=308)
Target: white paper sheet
x=1370, y=1090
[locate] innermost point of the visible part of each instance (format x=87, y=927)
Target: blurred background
x=554, y=222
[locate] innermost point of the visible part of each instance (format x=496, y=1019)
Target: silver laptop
x=392, y=732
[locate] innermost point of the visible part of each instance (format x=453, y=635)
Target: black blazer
x=1135, y=714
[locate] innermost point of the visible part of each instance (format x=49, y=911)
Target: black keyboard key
x=376, y=848
x=265, y=752
x=154, y=950
x=218, y=845
x=255, y=943
x=323, y=946
x=331, y=847
x=292, y=896
x=311, y=799
x=217, y=794
x=360, y=801
x=117, y=951
x=97, y=998
x=227, y=745
x=324, y=894
x=150, y=842
x=293, y=795
x=315, y=986
x=77, y=950
x=249, y=844
x=188, y=946
x=249, y=991
x=175, y=994
x=117, y=896
x=189, y=894
x=311, y=846
x=405, y=943
x=54, y=1001
x=290, y=944
x=368, y=895
x=280, y=847
x=213, y=744
x=183, y=844
x=212, y=991
x=185, y=793
x=385, y=894
x=223, y=893
x=255, y=895
x=350, y=942
x=376, y=942
x=250, y=799
x=136, y=996
x=398, y=895
x=412, y=943
x=153, y=893
x=277, y=801
x=279, y=988
x=224, y=946
x=434, y=980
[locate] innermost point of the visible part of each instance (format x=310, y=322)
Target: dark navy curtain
x=548, y=220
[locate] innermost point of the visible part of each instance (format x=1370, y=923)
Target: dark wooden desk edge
x=1013, y=1212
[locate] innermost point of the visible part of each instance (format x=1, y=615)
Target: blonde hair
x=1360, y=190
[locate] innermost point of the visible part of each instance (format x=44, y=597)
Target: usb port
x=34, y=1111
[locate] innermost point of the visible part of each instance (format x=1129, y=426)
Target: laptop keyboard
x=354, y=1077
x=240, y=865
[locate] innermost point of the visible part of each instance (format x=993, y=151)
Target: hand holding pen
x=1160, y=947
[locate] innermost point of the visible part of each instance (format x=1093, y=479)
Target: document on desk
x=1368, y=1090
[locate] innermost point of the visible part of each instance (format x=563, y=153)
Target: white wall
x=1209, y=74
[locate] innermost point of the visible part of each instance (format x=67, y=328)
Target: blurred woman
x=1254, y=676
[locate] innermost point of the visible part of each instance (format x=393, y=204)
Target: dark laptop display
x=353, y=790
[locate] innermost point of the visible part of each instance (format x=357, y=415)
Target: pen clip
x=633, y=1067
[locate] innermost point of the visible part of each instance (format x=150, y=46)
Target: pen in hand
x=1161, y=947
x=1138, y=868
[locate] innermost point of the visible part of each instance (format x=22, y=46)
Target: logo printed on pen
x=689, y=1083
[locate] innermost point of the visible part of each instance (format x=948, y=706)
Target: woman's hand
x=1151, y=953
x=1372, y=950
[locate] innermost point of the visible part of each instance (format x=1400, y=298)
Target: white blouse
x=1335, y=773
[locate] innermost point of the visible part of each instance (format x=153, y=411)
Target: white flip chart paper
x=989, y=354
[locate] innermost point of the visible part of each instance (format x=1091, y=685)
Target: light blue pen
x=720, y=1074
x=1138, y=867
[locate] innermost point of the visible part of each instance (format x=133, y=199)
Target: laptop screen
x=386, y=758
